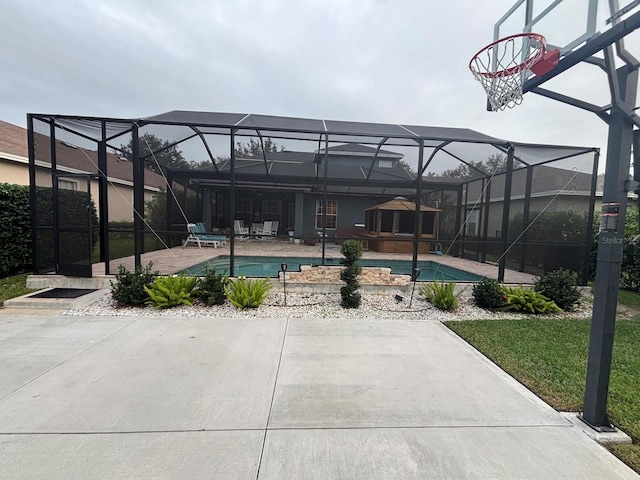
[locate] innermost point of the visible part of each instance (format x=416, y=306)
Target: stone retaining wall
x=331, y=275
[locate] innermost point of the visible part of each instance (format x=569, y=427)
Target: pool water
x=255, y=266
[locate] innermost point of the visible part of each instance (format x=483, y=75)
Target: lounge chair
x=200, y=239
x=201, y=229
x=265, y=231
x=240, y=230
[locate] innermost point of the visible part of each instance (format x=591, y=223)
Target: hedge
x=15, y=234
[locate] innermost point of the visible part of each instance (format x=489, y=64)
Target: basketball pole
x=623, y=84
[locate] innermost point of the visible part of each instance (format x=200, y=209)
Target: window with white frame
x=67, y=184
x=472, y=222
x=244, y=205
x=332, y=214
x=385, y=163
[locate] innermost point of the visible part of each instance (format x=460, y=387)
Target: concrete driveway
x=113, y=397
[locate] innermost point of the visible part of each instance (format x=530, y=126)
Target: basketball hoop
x=502, y=67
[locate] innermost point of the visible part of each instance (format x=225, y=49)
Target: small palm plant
x=441, y=295
x=169, y=292
x=245, y=293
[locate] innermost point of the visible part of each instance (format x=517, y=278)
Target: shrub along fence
x=15, y=234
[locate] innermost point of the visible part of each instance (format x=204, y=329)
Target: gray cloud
x=377, y=61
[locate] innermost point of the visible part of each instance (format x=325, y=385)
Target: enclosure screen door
x=73, y=224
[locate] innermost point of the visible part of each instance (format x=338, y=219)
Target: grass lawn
x=12, y=287
x=550, y=358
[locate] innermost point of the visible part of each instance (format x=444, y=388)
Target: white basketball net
x=501, y=68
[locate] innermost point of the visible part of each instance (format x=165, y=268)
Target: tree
x=407, y=167
x=254, y=148
x=153, y=149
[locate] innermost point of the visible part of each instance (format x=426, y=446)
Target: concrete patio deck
x=177, y=259
x=114, y=397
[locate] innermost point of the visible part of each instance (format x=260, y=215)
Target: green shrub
x=352, y=252
x=245, y=293
x=630, y=271
x=524, y=300
x=15, y=234
x=171, y=291
x=488, y=293
x=129, y=287
x=560, y=286
x=441, y=295
x=210, y=288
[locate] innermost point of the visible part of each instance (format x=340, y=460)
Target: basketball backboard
x=566, y=24
x=545, y=38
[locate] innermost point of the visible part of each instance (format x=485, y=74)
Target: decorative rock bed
x=302, y=305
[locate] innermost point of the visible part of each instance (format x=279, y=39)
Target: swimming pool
x=256, y=266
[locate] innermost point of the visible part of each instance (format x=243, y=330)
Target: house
x=299, y=206
x=72, y=159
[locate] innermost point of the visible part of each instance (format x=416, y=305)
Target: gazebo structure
x=501, y=202
x=390, y=226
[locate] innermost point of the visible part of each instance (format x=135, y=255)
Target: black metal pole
x=54, y=195
x=324, y=196
x=103, y=204
x=505, y=214
x=415, y=273
x=416, y=221
x=525, y=216
x=232, y=201
x=138, y=196
x=33, y=197
x=610, y=250
x=283, y=267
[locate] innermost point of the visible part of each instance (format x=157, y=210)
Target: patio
x=177, y=258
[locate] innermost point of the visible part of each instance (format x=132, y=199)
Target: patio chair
x=265, y=231
x=274, y=227
x=240, y=230
x=201, y=229
x=199, y=239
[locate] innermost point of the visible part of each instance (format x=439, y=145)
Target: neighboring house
x=14, y=168
x=552, y=190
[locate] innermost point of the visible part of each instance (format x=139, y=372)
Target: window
x=271, y=210
x=244, y=205
x=405, y=222
x=428, y=223
x=244, y=210
x=67, y=185
x=332, y=214
x=472, y=222
x=386, y=221
x=385, y=164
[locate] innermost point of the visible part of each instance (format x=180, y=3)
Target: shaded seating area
x=198, y=236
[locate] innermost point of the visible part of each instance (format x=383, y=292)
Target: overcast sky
x=376, y=61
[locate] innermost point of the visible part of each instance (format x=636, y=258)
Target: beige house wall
x=15, y=170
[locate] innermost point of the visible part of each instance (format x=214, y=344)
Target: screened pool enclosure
x=103, y=189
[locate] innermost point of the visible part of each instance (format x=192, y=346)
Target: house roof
x=302, y=164
x=358, y=149
x=13, y=141
x=401, y=204
x=244, y=123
